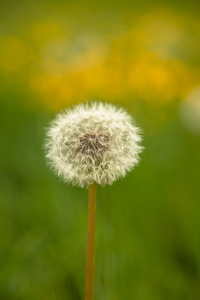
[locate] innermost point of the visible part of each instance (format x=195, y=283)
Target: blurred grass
x=148, y=224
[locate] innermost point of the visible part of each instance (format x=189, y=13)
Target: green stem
x=90, y=255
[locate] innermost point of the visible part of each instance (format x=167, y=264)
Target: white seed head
x=93, y=143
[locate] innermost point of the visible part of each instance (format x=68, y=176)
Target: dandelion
x=95, y=143
x=92, y=144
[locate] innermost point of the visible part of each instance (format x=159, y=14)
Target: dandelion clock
x=92, y=144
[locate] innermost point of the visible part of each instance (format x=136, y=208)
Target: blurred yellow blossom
x=46, y=30
x=150, y=59
x=14, y=54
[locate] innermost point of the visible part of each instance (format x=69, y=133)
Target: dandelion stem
x=90, y=255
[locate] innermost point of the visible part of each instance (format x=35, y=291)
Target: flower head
x=93, y=143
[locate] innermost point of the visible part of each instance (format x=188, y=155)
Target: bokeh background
x=144, y=56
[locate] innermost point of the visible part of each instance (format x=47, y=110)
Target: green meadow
x=139, y=55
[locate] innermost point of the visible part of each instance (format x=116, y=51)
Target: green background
x=148, y=224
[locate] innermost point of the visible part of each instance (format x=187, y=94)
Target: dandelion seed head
x=93, y=143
